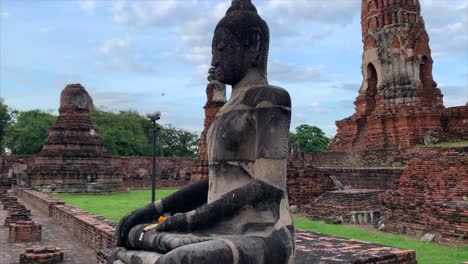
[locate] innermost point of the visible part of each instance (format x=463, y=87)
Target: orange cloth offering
x=153, y=226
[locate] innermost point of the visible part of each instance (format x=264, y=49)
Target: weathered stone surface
x=398, y=101
x=74, y=158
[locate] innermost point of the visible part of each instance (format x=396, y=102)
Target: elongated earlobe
x=256, y=42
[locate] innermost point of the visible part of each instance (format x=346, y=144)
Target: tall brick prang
x=74, y=158
x=399, y=103
x=216, y=98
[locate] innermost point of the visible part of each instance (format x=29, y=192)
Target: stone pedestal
x=24, y=231
x=16, y=217
x=43, y=255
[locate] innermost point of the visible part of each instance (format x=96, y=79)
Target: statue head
x=240, y=43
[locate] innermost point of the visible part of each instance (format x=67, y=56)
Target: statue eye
x=221, y=46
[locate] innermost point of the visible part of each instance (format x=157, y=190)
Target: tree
x=310, y=139
x=27, y=134
x=5, y=119
x=128, y=133
x=177, y=142
x=125, y=133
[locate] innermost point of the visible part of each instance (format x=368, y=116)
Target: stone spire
x=74, y=158
x=398, y=101
x=397, y=62
x=215, y=99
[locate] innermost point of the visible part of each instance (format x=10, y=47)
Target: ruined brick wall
x=40, y=201
x=365, y=158
x=455, y=123
x=430, y=195
x=12, y=165
x=379, y=178
x=306, y=183
x=346, y=204
x=94, y=231
x=170, y=172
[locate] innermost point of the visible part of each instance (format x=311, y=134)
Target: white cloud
x=111, y=45
x=199, y=55
x=322, y=11
x=88, y=6
x=128, y=64
x=158, y=13
x=120, y=11
x=114, y=100
x=446, y=19
x=291, y=73
x=315, y=107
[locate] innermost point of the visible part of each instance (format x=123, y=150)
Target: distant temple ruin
x=74, y=158
x=215, y=99
x=377, y=170
x=399, y=104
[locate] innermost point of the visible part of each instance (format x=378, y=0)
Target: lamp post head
x=154, y=116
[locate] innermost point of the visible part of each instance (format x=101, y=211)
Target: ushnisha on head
x=240, y=43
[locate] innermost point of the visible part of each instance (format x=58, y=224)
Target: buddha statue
x=240, y=214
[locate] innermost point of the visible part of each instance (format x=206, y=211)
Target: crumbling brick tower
x=398, y=102
x=215, y=99
x=74, y=158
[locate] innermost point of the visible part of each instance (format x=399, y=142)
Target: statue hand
x=143, y=215
x=177, y=222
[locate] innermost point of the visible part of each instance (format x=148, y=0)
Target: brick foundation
x=24, y=231
x=429, y=196
x=351, y=206
x=42, y=255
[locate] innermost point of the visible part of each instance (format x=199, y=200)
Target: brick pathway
x=323, y=249
x=76, y=252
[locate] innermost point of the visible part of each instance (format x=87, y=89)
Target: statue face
x=231, y=59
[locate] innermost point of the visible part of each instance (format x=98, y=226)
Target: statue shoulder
x=277, y=96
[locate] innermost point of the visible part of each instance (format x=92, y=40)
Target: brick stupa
x=399, y=104
x=74, y=158
x=216, y=98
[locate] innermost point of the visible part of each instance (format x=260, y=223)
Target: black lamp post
x=154, y=117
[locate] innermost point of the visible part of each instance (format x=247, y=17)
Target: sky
x=154, y=55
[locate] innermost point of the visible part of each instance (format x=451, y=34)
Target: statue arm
x=225, y=207
x=183, y=200
x=186, y=199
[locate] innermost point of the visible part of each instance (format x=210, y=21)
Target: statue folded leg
x=175, y=248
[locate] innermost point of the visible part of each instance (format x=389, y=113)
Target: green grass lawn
x=112, y=206
x=115, y=206
x=448, y=144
